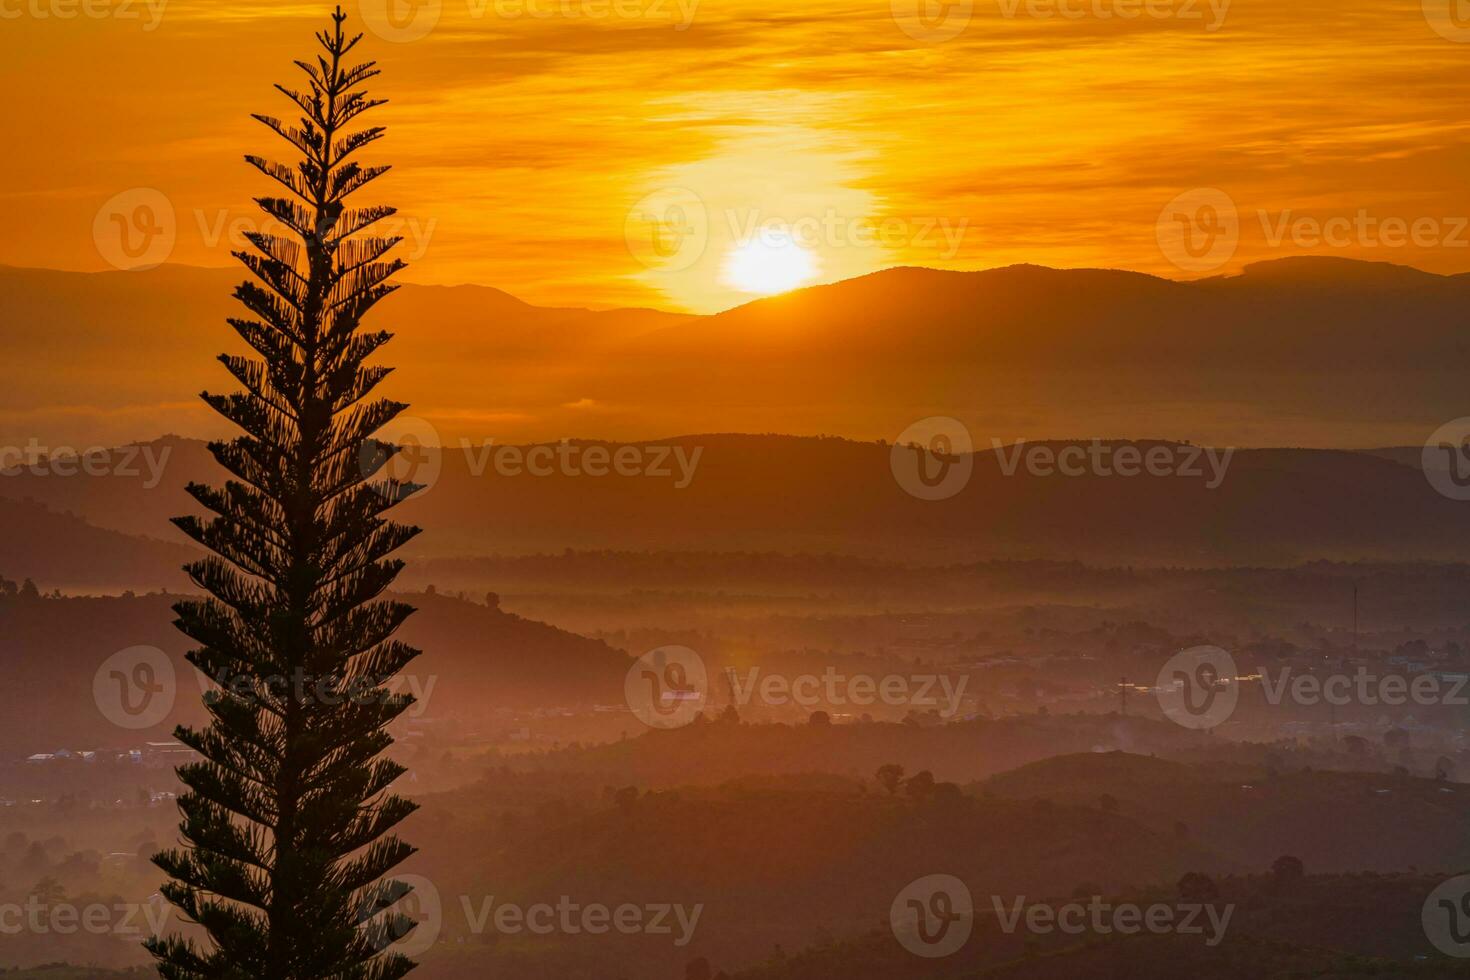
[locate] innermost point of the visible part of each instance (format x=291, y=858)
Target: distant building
x=167, y=754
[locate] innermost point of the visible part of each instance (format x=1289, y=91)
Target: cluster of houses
x=152, y=754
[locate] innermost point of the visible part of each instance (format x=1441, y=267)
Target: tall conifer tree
x=287, y=820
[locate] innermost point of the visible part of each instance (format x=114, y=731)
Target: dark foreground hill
x=815, y=861
x=1333, y=821
x=1349, y=927
x=768, y=865
x=792, y=877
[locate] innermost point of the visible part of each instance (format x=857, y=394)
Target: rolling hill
x=770, y=866
x=1342, y=927
x=1379, y=822
x=477, y=659
x=59, y=549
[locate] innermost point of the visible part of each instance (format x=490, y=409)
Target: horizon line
x=1236, y=274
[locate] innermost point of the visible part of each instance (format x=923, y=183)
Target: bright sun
x=769, y=263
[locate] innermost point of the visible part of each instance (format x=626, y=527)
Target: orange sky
x=541, y=145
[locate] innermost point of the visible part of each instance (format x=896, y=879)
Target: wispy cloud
x=528, y=133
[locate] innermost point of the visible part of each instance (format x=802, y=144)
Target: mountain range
x=788, y=494
x=1304, y=351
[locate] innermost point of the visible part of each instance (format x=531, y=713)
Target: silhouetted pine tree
x=287, y=819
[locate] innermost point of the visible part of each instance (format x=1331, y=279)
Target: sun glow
x=769, y=263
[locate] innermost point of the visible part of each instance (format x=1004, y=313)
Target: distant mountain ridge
x=1299, y=351
x=810, y=495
